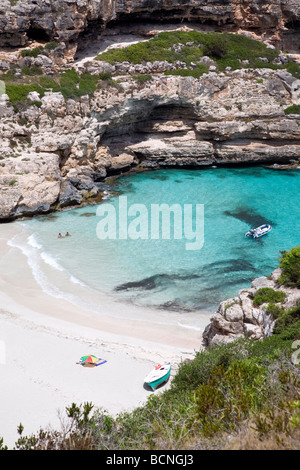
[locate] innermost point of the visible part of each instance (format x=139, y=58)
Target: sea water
x=161, y=274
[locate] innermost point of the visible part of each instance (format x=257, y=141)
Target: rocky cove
x=59, y=150
x=55, y=150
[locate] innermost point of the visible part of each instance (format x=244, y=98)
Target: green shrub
x=32, y=70
x=287, y=319
x=48, y=83
x=229, y=395
x=293, y=68
x=32, y=52
x=275, y=310
x=18, y=93
x=266, y=294
x=73, y=85
x=196, y=72
x=216, y=48
x=50, y=46
x=290, y=266
x=227, y=49
x=294, y=109
x=142, y=78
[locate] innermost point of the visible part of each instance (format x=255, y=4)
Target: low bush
x=18, y=93
x=142, y=78
x=195, y=72
x=225, y=48
x=266, y=295
x=32, y=52
x=290, y=266
x=294, y=109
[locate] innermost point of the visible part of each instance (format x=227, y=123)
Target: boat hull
x=259, y=231
x=158, y=376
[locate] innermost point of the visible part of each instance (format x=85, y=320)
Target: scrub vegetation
x=225, y=49
x=69, y=83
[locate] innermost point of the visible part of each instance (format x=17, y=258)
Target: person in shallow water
x=59, y=235
x=67, y=234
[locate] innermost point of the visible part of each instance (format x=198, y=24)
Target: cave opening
x=91, y=33
x=38, y=34
x=293, y=24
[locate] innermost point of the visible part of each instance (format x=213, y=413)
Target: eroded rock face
x=68, y=146
x=239, y=318
x=65, y=20
x=29, y=184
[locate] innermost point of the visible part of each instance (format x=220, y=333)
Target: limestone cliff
x=66, y=20
x=55, y=151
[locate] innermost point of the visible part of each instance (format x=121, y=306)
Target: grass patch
x=266, y=295
x=294, y=109
x=18, y=93
x=225, y=48
x=69, y=83
x=32, y=70
x=50, y=46
x=142, y=78
x=195, y=72
x=32, y=52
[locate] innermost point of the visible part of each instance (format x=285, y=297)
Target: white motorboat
x=259, y=231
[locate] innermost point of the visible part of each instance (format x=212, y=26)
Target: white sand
x=42, y=338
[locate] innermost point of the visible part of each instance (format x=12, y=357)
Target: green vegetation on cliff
x=69, y=83
x=290, y=266
x=242, y=395
x=176, y=47
x=225, y=49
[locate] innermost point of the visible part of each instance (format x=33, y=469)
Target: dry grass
x=248, y=439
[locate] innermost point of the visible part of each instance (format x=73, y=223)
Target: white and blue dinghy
x=259, y=231
x=158, y=375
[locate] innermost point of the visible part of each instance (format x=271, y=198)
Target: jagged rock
x=238, y=317
x=252, y=331
x=65, y=20
x=69, y=195
x=170, y=121
x=262, y=281
x=29, y=184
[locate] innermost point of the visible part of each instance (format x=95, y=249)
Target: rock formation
x=238, y=317
x=67, y=20
x=225, y=118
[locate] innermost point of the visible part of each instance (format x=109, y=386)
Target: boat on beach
x=158, y=375
x=259, y=231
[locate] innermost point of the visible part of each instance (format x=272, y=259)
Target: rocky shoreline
x=54, y=154
x=238, y=317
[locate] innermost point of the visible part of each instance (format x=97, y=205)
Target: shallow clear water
x=163, y=273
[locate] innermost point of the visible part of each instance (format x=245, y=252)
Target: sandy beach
x=43, y=337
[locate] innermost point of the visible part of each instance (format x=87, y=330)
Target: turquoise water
x=162, y=273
